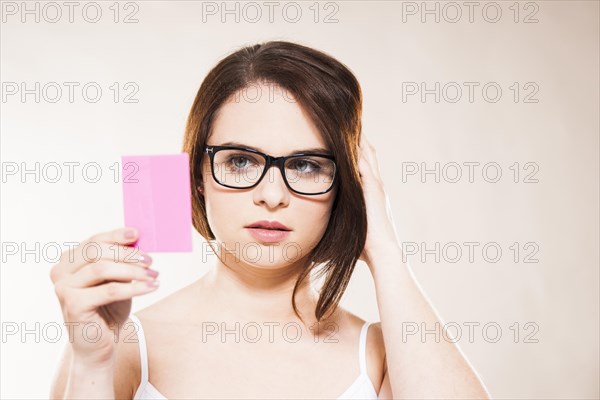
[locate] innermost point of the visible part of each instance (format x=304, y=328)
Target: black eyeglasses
x=242, y=168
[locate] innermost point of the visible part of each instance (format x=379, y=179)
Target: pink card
x=157, y=201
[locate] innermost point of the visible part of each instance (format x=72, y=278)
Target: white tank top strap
x=362, y=350
x=142, y=346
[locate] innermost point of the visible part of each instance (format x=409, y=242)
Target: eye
x=305, y=165
x=240, y=161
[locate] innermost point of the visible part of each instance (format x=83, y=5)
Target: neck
x=256, y=293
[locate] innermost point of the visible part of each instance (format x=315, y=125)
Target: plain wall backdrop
x=532, y=117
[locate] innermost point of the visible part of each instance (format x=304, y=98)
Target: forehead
x=268, y=118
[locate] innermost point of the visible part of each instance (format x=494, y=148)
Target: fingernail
x=152, y=273
x=153, y=283
x=130, y=234
x=145, y=259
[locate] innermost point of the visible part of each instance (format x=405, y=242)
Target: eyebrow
x=313, y=150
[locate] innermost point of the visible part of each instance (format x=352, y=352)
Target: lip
x=268, y=225
x=268, y=235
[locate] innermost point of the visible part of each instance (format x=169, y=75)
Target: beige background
x=169, y=51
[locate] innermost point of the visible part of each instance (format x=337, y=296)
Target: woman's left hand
x=381, y=232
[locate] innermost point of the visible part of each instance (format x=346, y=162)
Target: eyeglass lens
x=241, y=169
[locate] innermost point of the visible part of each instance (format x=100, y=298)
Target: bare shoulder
x=177, y=306
x=127, y=365
x=375, y=350
x=128, y=361
x=376, y=346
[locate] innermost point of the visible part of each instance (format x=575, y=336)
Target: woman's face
x=270, y=121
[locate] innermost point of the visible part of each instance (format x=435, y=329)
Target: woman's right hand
x=95, y=283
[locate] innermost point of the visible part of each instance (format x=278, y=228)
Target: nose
x=272, y=189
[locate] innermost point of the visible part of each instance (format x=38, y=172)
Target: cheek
x=222, y=211
x=314, y=218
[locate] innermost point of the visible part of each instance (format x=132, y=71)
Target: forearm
x=90, y=382
x=417, y=368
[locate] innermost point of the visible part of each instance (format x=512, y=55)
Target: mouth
x=269, y=225
x=268, y=232
x=262, y=228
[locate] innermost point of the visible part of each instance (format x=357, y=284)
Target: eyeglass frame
x=269, y=161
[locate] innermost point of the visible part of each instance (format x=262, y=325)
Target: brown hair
x=331, y=95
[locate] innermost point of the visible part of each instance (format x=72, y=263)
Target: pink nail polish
x=145, y=259
x=152, y=273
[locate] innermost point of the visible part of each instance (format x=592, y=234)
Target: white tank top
x=361, y=388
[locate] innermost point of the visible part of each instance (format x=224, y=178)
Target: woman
x=283, y=188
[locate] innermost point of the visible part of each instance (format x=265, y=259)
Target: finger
x=94, y=274
x=364, y=168
x=371, y=155
x=102, y=247
x=116, y=291
x=368, y=164
x=121, y=236
x=94, y=252
x=375, y=163
x=362, y=146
